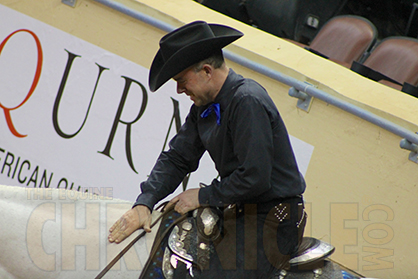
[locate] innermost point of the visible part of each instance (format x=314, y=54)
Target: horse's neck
x=41, y=229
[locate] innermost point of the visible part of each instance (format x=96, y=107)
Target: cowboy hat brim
x=161, y=71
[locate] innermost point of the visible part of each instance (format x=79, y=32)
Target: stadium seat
x=397, y=58
x=344, y=39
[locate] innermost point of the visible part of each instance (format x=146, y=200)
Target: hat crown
x=187, y=46
x=184, y=36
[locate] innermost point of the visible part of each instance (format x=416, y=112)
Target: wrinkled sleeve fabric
x=185, y=151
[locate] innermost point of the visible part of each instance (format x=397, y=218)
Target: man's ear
x=207, y=69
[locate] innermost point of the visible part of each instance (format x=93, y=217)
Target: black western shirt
x=250, y=148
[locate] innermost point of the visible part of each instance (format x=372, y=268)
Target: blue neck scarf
x=213, y=107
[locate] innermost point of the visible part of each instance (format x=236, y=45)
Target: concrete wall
x=361, y=185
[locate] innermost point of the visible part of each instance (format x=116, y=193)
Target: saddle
x=310, y=256
x=184, y=244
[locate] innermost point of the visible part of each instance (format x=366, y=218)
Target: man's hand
x=134, y=219
x=186, y=201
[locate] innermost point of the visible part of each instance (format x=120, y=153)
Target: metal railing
x=299, y=89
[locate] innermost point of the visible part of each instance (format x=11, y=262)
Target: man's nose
x=180, y=89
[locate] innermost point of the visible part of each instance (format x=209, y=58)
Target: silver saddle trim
x=175, y=251
x=175, y=242
x=209, y=220
x=317, y=251
x=189, y=244
x=170, y=262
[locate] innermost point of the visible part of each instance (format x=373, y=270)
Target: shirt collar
x=227, y=91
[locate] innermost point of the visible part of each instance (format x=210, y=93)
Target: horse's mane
x=52, y=194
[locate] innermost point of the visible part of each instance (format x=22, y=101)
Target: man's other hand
x=186, y=201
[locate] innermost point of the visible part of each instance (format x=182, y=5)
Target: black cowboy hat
x=187, y=46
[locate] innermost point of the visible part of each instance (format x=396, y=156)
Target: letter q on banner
x=7, y=110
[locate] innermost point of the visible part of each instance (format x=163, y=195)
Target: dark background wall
x=300, y=20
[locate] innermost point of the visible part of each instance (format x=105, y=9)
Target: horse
x=57, y=233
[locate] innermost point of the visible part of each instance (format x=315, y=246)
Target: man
x=235, y=120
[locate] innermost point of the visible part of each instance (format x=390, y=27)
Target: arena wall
x=361, y=185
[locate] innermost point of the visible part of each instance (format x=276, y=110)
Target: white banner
x=75, y=116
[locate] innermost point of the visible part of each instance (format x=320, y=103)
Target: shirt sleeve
x=252, y=140
x=173, y=165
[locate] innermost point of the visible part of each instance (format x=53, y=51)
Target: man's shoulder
x=250, y=89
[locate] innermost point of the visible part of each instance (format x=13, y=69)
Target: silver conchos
x=209, y=220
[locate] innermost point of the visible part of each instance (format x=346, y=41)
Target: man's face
x=195, y=85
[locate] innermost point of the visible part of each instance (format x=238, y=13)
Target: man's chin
x=197, y=103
